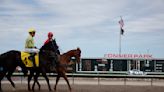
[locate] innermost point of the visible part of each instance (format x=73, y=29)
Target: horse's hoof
x=14, y=89
x=50, y=90
x=33, y=90
x=29, y=89
x=55, y=90
x=39, y=88
x=70, y=90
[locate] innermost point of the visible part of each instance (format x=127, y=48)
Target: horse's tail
x=21, y=64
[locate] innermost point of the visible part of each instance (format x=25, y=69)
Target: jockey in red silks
x=50, y=38
x=50, y=35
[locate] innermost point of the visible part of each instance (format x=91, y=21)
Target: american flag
x=121, y=22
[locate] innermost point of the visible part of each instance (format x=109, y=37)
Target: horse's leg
x=38, y=84
x=57, y=80
x=45, y=76
x=36, y=81
x=29, y=79
x=65, y=77
x=0, y=86
x=33, y=85
x=2, y=74
x=0, y=83
x=9, y=78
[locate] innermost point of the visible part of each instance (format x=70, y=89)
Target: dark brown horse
x=44, y=65
x=8, y=63
x=61, y=67
x=11, y=59
x=44, y=60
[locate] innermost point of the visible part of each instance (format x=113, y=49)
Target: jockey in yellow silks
x=30, y=45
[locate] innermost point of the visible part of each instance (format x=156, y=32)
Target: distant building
x=121, y=63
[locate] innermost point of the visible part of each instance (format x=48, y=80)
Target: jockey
x=50, y=35
x=50, y=38
x=30, y=46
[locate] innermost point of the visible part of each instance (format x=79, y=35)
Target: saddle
x=25, y=59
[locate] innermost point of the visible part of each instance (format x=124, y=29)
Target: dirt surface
x=87, y=88
x=89, y=85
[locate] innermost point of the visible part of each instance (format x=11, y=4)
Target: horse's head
x=77, y=54
x=66, y=57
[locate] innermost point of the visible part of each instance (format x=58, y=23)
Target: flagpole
x=120, y=42
x=120, y=37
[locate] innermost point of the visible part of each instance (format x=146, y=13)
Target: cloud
x=82, y=13
x=146, y=24
x=90, y=24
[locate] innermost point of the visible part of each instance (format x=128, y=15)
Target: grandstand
x=113, y=63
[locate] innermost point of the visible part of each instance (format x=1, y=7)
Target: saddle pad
x=27, y=61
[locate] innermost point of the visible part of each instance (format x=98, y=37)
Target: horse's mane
x=71, y=51
x=69, y=54
x=48, y=45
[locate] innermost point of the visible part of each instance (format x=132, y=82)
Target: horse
x=8, y=63
x=11, y=59
x=61, y=67
x=44, y=65
x=65, y=59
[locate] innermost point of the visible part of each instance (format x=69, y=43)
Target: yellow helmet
x=31, y=30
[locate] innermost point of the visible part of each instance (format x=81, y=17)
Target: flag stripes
x=121, y=22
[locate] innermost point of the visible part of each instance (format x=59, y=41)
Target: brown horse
x=65, y=59
x=61, y=67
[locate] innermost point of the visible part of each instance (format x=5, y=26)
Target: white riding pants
x=31, y=50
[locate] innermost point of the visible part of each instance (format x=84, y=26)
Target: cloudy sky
x=91, y=25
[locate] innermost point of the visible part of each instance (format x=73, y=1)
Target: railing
x=99, y=76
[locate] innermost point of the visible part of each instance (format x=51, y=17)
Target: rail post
x=98, y=78
x=151, y=81
x=125, y=80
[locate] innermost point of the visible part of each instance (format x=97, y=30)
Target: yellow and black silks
x=27, y=61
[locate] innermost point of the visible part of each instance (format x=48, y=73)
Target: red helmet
x=50, y=34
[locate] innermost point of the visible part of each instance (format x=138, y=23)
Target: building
x=121, y=63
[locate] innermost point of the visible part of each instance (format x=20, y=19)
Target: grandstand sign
x=135, y=56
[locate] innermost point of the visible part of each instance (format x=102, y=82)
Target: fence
x=98, y=78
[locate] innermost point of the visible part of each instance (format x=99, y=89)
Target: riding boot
x=32, y=58
x=54, y=62
x=52, y=67
x=58, y=59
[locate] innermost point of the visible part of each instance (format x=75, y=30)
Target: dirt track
x=90, y=85
x=89, y=88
